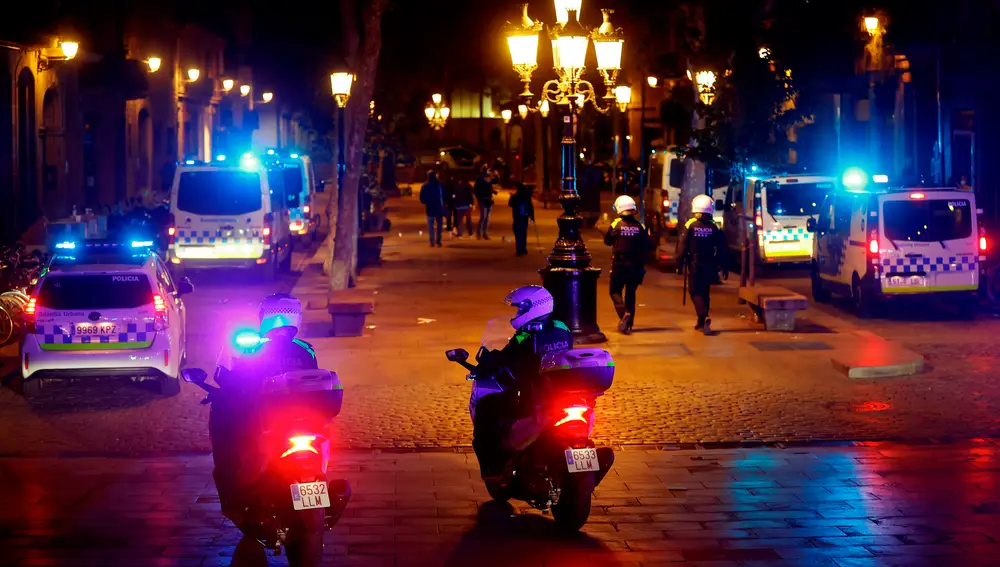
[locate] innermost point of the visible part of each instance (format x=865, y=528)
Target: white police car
x=873, y=244
x=105, y=309
x=230, y=213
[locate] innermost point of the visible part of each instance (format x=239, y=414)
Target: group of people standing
x=449, y=203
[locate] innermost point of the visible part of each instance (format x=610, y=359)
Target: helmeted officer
x=631, y=245
x=703, y=253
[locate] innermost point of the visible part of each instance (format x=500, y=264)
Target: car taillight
x=171, y=230
x=299, y=444
x=29, y=315
x=266, y=232
x=873, y=243
x=758, y=220
x=305, y=209
x=160, y=319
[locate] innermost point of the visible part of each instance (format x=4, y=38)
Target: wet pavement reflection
x=873, y=504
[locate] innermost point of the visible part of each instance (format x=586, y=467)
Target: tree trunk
x=363, y=42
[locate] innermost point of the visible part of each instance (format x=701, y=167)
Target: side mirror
x=457, y=355
x=184, y=286
x=321, y=186
x=196, y=375
x=483, y=351
x=720, y=205
x=811, y=225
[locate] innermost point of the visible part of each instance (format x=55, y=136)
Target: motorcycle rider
x=630, y=244
x=234, y=422
x=536, y=334
x=703, y=253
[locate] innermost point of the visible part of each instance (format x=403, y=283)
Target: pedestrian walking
x=450, y=187
x=703, y=254
x=484, y=192
x=630, y=245
x=463, y=207
x=432, y=196
x=524, y=212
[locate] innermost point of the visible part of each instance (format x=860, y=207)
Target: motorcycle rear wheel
x=304, y=546
x=498, y=491
x=573, y=508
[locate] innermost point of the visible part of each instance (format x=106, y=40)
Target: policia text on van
x=919, y=242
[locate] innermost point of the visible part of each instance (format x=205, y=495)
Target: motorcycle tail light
x=574, y=420
x=301, y=444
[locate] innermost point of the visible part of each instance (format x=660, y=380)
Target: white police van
x=226, y=214
x=875, y=244
x=299, y=178
x=780, y=206
x=105, y=309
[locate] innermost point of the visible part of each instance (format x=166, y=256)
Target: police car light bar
x=294, y=156
x=142, y=243
x=220, y=157
x=880, y=178
x=66, y=245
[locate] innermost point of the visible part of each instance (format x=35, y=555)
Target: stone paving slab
x=863, y=505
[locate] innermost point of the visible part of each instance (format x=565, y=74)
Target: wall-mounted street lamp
x=193, y=74
x=69, y=49
x=506, y=114
x=228, y=84
x=267, y=97
x=244, y=90
x=652, y=81
x=623, y=94
x=154, y=64
x=59, y=50
x=706, y=86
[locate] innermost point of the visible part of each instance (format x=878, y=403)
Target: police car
x=876, y=243
x=230, y=213
x=105, y=309
x=301, y=186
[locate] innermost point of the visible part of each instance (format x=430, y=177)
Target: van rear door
x=219, y=214
x=928, y=242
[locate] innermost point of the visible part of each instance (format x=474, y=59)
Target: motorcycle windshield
x=497, y=334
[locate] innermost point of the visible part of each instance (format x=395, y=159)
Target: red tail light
x=29, y=315
x=160, y=319
x=574, y=420
x=171, y=230
x=305, y=209
x=300, y=444
x=266, y=232
x=873, y=243
x=982, y=244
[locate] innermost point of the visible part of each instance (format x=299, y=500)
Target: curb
x=850, y=365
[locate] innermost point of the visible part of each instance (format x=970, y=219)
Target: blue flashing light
x=247, y=339
x=142, y=243
x=220, y=157
x=189, y=162
x=880, y=178
x=270, y=152
x=855, y=178
x=294, y=156
x=66, y=245
x=249, y=162
x=753, y=167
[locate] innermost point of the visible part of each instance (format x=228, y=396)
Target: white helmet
x=532, y=302
x=624, y=204
x=280, y=311
x=702, y=204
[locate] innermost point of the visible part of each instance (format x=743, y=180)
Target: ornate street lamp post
x=569, y=276
x=340, y=85
x=437, y=112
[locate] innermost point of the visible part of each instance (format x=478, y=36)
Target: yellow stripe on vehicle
x=927, y=289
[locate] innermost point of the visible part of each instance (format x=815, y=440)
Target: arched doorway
x=143, y=171
x=53, y=152
x=27, y=149
x=7, y=192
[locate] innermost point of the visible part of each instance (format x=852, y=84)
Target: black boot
x=700, y=325
x=707, y=327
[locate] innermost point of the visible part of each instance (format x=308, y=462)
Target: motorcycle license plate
x=309, y=495
x=581, y=460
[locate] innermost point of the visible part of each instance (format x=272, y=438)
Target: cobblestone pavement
x=672, y=386
x=852, y=506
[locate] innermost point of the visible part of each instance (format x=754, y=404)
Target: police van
x=299, y=178
x=780, y=207
x=876, y=244
x=104, y=309
x=226, y=214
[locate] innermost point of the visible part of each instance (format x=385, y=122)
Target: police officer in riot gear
x=536, y=334
x=631, y=246
x=703, y=253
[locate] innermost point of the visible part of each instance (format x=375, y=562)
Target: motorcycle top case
x=584, y=370
x=316, y=391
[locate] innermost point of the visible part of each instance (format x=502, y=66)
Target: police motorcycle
x=276, y=429
x=551, y=462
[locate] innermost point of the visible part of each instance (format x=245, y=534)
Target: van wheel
x=819, y=293
x=269, y=271
x=31, y=388
x=864, y=303
x=170, y=386
x=286, y=264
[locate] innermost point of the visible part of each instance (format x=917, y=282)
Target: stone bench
x=348, y=309
x=774, y=306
